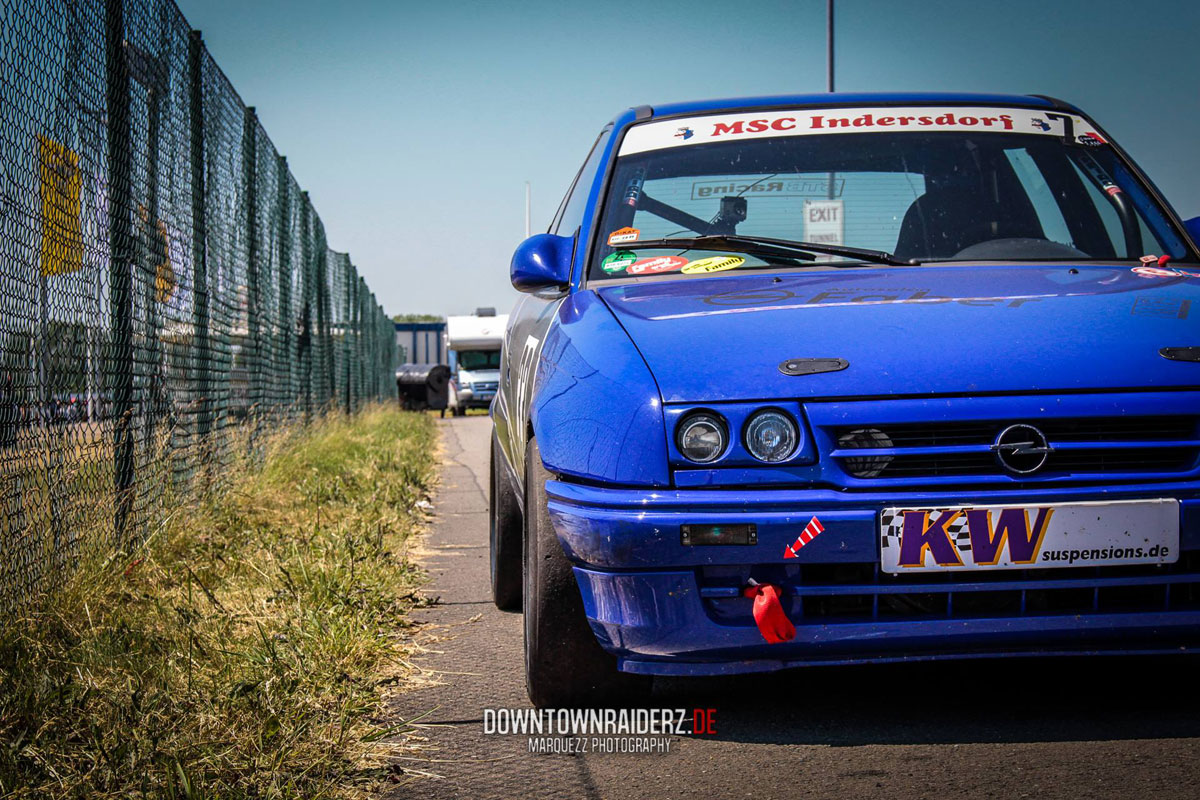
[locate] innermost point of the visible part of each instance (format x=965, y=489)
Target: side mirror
x=1193, y=228
x=542, y=261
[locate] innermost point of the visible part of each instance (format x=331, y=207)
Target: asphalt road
x=1069, y=728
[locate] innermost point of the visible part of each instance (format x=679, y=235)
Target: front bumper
x=471, y=398
x=664, y=608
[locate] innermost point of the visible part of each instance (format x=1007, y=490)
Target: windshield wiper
x=762, y=245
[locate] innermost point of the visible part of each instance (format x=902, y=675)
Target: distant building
x=421, y=342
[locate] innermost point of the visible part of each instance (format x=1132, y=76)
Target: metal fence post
x=347, y=332
x=382, y=338
x=253, y=268
x=200, y=362
x=375, y=348
x=330, y=375
x=361, y=294
x=120, y=247
x=355, y=341
x=324, y=349
x=150, y=251
x=286, y=317
x=305, y=355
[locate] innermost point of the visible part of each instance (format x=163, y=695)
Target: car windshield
x=917, y=184
x=478, y=359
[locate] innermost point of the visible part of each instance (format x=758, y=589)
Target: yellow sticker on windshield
x=714, y=264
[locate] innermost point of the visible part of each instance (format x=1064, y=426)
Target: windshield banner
x=690, y=131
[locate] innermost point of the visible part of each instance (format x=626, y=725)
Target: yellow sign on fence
x=158, y=242
x=62, y=231
x=165, y=281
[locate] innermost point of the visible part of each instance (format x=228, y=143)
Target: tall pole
x=829, y=75
x=829, y=45
x=528, y=231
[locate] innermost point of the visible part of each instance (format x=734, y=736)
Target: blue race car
x=848, y=378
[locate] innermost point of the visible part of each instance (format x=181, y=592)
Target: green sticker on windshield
x=618, y=261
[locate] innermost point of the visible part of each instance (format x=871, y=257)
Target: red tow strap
x=772, y=623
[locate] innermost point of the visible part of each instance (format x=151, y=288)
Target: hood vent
x=812, y=366
x=1177, y=353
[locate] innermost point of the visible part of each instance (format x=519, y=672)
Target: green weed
x=240, y=651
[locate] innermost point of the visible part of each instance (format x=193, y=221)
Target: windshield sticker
x=713, y=264
x=1163, y=272
x=618, y=261
x=807, y=187
x=652, y=266
x=819, y=121
x=623, y=235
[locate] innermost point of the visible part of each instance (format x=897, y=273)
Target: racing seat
x=946, y=220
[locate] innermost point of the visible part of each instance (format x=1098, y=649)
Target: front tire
x=564, y=664
x=505, y=537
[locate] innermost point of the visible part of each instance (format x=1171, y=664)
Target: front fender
x=597, y=412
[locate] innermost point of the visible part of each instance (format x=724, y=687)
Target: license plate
x=925, y=539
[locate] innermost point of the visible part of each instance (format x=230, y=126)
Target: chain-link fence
x=166, y=292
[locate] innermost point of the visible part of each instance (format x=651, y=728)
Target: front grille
x=484, y=386
x=1086, y=446
x=831, y=593
x=984, y=463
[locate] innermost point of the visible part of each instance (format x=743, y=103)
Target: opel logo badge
x=1022, y=449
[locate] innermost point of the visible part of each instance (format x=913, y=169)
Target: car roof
x=848, y=99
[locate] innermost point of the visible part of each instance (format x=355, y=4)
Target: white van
x=473, y=343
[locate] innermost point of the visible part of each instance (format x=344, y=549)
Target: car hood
x=933, y=329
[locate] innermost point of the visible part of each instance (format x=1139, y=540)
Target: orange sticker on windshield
x=622, y=235
x=713, y=264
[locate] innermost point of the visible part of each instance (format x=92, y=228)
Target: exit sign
x=823, y=221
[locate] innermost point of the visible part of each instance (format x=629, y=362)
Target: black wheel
x=564, y=664
x=506, y=551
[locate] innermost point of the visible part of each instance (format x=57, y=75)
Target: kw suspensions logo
x=986, y=536
x=1029, y=537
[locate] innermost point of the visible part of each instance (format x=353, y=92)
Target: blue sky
x=415, y=125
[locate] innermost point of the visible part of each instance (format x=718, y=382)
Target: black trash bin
x=423, y=386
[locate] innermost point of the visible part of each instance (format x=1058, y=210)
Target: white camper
x=473, y=343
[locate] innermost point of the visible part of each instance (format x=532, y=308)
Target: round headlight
x=701, y=437
x=771, y=436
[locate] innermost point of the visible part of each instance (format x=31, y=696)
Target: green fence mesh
x=166, y=291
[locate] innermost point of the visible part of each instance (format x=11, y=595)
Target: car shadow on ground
x=974, y=701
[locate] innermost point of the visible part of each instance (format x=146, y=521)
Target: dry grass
x=243, y=650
